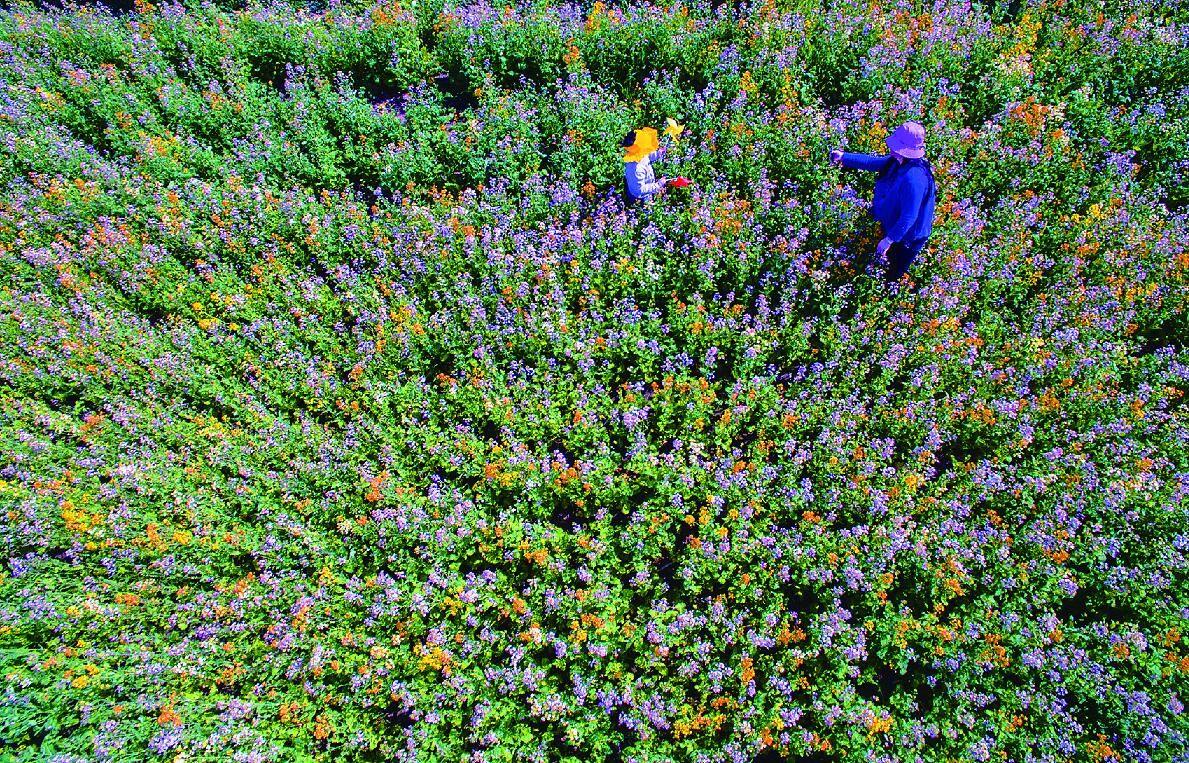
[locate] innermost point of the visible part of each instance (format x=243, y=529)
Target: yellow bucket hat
x=643, y=142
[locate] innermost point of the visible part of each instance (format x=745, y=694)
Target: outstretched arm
x=863, y=161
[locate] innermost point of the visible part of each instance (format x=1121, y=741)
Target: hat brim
x=646, y=143
x=905, y=151
x=635, y=154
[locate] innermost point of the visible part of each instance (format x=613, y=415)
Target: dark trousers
x=900, y=257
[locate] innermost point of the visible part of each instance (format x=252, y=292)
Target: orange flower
x=573, y=55
x=1100, y=750
x=592, y=21
x=746, y=673
x=373, y=495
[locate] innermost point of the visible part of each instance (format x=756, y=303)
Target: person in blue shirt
x=640, y=179
x=905, y=195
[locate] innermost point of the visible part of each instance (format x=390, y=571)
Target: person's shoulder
x=887, y=163
x=918, y=172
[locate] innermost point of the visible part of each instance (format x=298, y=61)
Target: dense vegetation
x=347, y=416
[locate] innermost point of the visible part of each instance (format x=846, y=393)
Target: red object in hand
x=679, y=182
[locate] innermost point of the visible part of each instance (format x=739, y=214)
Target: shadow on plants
x=960, y=448
x=489, y=430
x=910, y=587
x=245, y=561
x=1082, y=609
x=666, y=570
x=385, y=97
x=1095, y=715
x=619, y=517
x=18, y=558
x=731, y=9
x=567, y=515
x=944, y=464
x=1002, y=10
x=564, y=518
x=882, y=686
x=1168, y=334
x=457, y=94
x=115, y=7
x=799, y=601
x=562, y=745
x=62, y=554
x=398, y=716
x=365, y=187
x=888, y=682
x=36, y=738
x=268, y=70
x=668, y=563
x=776, y=756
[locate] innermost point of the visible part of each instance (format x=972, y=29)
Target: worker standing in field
x=642, y=184
x=905, y=195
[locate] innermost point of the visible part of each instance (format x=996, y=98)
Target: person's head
x=639, y=144
x=907, y=142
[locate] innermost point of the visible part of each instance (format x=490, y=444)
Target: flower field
x=346, y=414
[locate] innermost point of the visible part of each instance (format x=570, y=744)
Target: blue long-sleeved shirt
x=905, y=195
x=640, y=178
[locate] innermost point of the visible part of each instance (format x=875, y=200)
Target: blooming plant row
x=347, y=415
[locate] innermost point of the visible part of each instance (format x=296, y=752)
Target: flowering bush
x=347, y=415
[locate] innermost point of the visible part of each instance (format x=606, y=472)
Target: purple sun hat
x=908, y=141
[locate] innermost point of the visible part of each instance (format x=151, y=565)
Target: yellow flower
x=673, y=130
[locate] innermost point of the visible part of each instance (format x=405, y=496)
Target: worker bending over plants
x=641, y=146
x=904, y=198
x=642, y=184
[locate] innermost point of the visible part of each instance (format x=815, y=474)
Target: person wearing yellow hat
x=642, y=184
